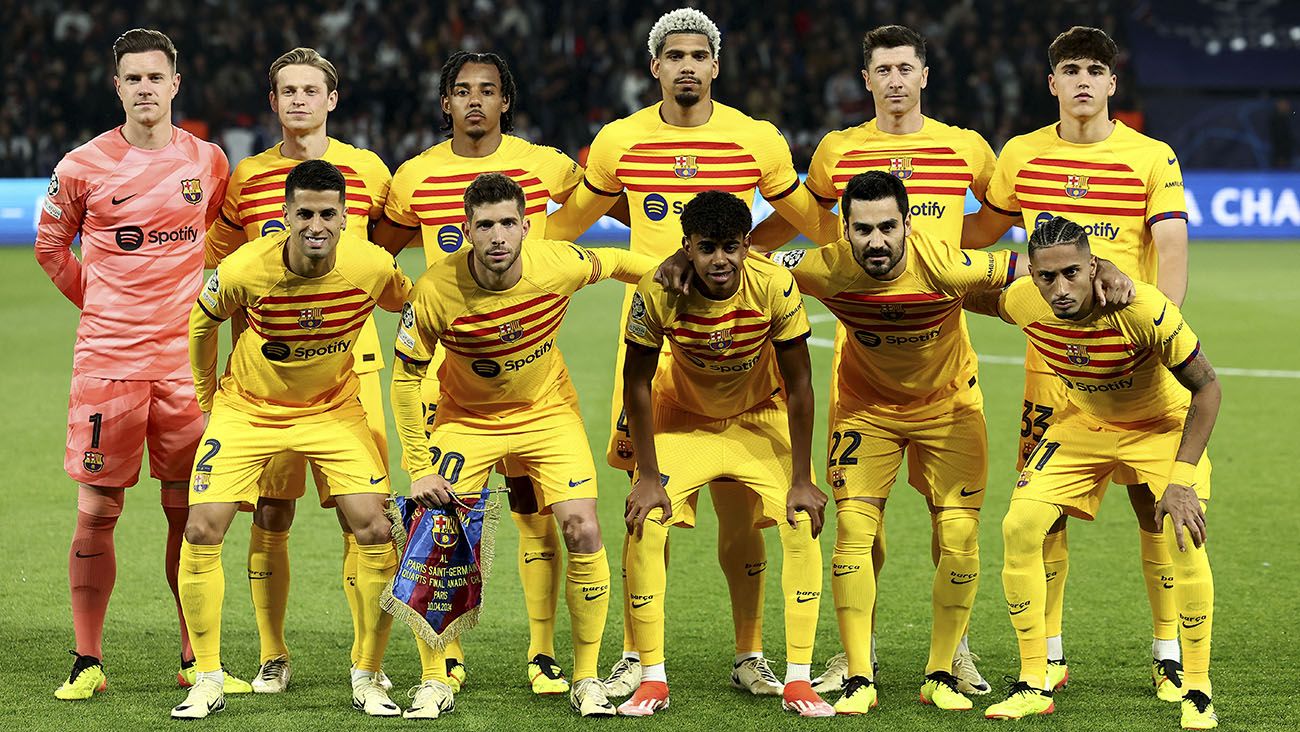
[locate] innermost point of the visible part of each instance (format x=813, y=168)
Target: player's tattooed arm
x=649, y=492
x=1180, y=501
x=983, y=302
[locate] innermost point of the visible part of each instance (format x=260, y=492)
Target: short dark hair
x=891, y=36
x=451, y=70
x=1058, y=231
x=716, y=215
x=492, y=188
x=1083, y=42
x=315, y=175
x=874, y=185
x=143, y=40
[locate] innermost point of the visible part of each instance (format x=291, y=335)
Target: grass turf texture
x=1242, y=306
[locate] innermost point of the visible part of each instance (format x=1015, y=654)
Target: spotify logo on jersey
x=129, y=238
x=275, y=351
x=450, y=238
x=866, y=338
x=656, y=207
x=273, y=225
x=486, y=368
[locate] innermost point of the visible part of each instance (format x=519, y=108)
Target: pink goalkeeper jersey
x=141, y=215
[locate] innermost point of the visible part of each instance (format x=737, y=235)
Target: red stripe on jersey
x=916, y=175
x=725, y=318
x=905, y=151
x=356, y=325
x=467, y=177
x=459, y=193
x=1093, y=362
x=1071, y=333
x=462, y=335
x=1093, y=180
x=281, y=299
x=1060, y=163
x=662, y=188
x=684, y=144
x=699, y=159
x=885, y=327
x=881, y=299
x=704, y=335
x=1092, y=348
x=495, y=314
x=441, y=206
x=548, y=329
x=639, y=173
x=263, y=216
x=884, y=162
x=1092, y=194
x=1090, y=374
x=1059, y=208
x=264, y=324
x=925, y=314
x=269, y=173
x=738, y=348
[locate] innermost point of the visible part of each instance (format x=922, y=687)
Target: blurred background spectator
x=581, y=64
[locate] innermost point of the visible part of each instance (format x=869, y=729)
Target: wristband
x=1183, y=474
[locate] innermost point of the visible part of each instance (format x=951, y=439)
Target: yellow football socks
x=1024, y=583
x=647, y=582
x=743, y=558
x=202, y=587
x=376, y=564
x=539, y=574
x=433, y=663
x=1056, y=568
x=1194, y=598
x=587, y=594
x=853, y=580
x=268, y=583
x=350, y=591
x=1158, y=574
x=955, y=580
x=801, y=583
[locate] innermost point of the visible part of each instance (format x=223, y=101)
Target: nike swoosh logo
x=1168, y=586
x=754, y=572
x=602, y=593
x=971, y=493
x=966, y=257
x=1193, y=625
x=963, y=582
x=839, y=573
x=259, y=575
x=1173, y=160
x=117, y=200
x=88, y=556
x=538, y=558
x=641, y=604
x=788, y=290
x=1161, y=319
x=575, y=483
x=377, y=481
x=808, y=599
x=1017, y=612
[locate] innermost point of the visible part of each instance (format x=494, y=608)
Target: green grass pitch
x=1243, y=304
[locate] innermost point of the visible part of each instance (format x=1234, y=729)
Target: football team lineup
x=712, y=381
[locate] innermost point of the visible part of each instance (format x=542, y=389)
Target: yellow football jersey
x=295, y=359
x=254, y=207
x=501, y=369
x=908, y=352
x=724, y=362
x=937, y=164
x=1115, y=189
x=429, y=189
x=661, y=167
x=1116, y=367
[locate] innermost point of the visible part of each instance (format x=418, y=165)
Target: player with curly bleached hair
x=684, y=20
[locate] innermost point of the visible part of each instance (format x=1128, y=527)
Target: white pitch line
x=1020, y=361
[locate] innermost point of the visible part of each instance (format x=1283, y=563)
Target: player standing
x=1126, y=190
x=1128, y=376
x=661, y=157
x=290, y=387
x=304, y=90
x=735, y=401
x=140, y=196
x=496, y=307
x=478, y=101
x=938, y=164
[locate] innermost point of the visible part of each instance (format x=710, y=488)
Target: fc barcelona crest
x=624, y=449
x=892, y=312
x=444, y=531
x=92, y=461
x=311, y=318
x=192, y=190
x=901, y=168
x=1076, y=186
x=684, y=166
x=837, y=478
x=1078, y=354
x=720, y=340
x=512, y=331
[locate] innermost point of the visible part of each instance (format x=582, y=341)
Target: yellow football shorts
x=557, y=459
x=1070, y=466
x=752, y=448
x=1045, y=396
x=237, y=448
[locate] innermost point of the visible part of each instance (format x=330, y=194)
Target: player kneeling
x=290, y=388
x=738, y=341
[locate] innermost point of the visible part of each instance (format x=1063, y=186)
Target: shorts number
x=452, y=462
x=96, y=419
x=1034, y=420
x=213, y=448
x=621, y=424
x=1047, y=449
x=854, y=441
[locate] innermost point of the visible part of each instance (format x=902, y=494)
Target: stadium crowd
x=579, y=65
